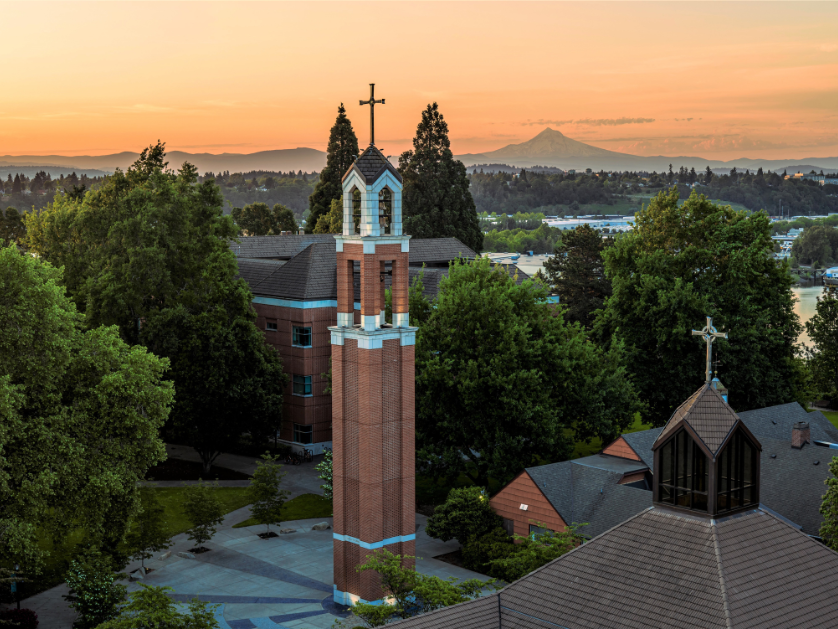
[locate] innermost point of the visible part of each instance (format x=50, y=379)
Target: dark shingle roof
x=480, y=613
x=641, y=442
x=584, y=494
x=309, y=276
x=775, y=422
x=668, y=569
x=371, y=164
x=707, y=414
x=276, y=247
x=436, y=250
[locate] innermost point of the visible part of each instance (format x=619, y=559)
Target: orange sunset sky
x=716, y=80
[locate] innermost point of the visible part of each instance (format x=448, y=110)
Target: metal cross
x=709, y=334
x=372, y=103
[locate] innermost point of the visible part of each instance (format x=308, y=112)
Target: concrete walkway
x=279, y=583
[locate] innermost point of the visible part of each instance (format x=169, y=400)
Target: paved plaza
x=282, y=582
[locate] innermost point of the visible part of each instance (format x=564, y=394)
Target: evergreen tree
x=822, y=328
x=708, y=176
x=436, y=201
x=16, y=188
x=340, y=155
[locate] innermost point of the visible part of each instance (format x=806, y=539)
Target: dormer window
x=684, y=473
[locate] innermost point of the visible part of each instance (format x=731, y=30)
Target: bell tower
x=373, y=397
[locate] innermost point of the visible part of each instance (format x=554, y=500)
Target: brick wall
x=523, y=490
x=621, y=449
x=311, y=361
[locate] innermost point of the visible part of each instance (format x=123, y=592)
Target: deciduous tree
x=436, y=201
x=465, y=513
x=203, y=510
x=152, y=607
x=681, y=264
x=147, y=534
x=266, y=493
x=822, y=328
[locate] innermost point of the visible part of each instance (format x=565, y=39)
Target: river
x=807, y=297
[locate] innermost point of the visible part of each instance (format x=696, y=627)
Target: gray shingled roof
x=707, y=414
x=371, y=164
x=311, y=275
x=584, y=494
x=669, y=569
x=775, y=422
x=641, y=442
x=437, y=250
x=276, y=247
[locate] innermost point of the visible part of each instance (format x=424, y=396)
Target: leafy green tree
x=436, y=201
x=503, y=382
x=152, y=607
x=324, y=473
x=266, y=493
x=12, y=228
x=203, y=510
x=148, y=251
x=829, y=507
x=822, y=328
x=257, y=219
x=331, y=222
x=147, y=534
x=93, y=593
x=577, y=273
x=465, y=513
x=681, y=264
x=285, y=220
x=410, y=590
x=340, y=155
x=80, y=414
x=817, y=243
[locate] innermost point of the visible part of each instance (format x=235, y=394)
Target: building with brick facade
x=705, y=553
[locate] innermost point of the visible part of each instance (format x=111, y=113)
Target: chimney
x=302, y=232
x=800, y=435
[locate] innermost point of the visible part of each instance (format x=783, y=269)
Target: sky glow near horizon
x=715, y=80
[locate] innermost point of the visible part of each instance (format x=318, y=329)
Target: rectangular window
x=302, y=433
x=301, y=336
x=302, y=385
x=270, y=326
x=538, y=530
x=509, y=526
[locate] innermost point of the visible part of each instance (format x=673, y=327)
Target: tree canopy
x=80, y=414
x=506, y=402
x=257, y=219
x=149, y=252
x=681, y=264
x=576, y=271
x=436, y=201
x=822, y=328
x=340, y=155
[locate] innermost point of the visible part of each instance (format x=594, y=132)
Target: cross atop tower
x=709, y=334
x=372, y=103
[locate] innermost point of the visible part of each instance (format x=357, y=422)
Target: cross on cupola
x=709, y=334
x=372, y=103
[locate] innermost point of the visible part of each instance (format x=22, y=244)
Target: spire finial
x=372, y=103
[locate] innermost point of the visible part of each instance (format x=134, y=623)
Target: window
x=683, y=473
x=301, y=336
x=737, y=474
x=302, y=385
x=385, y=210
x=270, y=326
x=509, y=526
x=302, y=434
x=538, y=530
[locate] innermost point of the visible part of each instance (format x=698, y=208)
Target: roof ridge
x=722, y=585
x=267, y=277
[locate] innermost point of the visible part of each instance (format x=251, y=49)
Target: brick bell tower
x=373, y=419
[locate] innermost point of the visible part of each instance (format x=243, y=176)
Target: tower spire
x=372, y=103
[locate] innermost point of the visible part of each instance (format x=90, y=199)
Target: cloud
x=591, y=122
x=684, y=119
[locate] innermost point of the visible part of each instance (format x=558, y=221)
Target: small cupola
x=706, y=460
x=722, y=389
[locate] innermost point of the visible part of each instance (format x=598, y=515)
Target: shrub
x=479, y=551
x=20, y=618
x=465, y=513
x=530, y=553
x=93, y=593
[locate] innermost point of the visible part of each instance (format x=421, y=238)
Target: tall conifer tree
x=436, y=201
x=341, y=153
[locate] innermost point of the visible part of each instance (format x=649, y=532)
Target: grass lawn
x=171, y=498
x=299, y=508
x=832, y=416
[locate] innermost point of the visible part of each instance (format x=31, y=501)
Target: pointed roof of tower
x=709, y=416
x=371, y=164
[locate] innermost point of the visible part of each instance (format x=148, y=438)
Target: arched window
x=736, y=474
x=385, y=210
x=356, y=210
x=684, y=473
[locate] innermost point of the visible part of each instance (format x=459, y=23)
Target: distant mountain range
x=305, y=159
x=548, y=148
x=553, y=148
